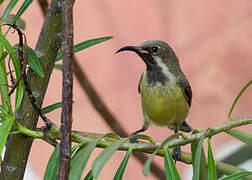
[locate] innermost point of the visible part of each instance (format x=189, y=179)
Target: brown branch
x=23, y=59
x=67, y=89
x=18, y=146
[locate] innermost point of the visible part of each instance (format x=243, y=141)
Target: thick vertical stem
x=67, y=89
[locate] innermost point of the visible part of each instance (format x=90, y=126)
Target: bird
x=166, y=94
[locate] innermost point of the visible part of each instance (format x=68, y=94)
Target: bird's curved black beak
x=129, y=48
x=146, y=57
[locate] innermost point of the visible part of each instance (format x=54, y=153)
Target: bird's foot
x=133, y=139
x=176, y=153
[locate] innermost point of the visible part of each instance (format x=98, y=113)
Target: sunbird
x=166, y=94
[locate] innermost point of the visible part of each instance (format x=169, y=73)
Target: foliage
x=203, y=168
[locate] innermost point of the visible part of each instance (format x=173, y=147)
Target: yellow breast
x=163, y=104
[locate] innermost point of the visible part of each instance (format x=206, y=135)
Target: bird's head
x=153, y=53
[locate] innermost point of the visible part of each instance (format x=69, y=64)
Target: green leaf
x=80, y=159
x=22, y=9
x=8, y=9
x=171, y=171
x=199, y=160
x=52, y=107
x=53, y=165
x=86, y=44
x=211, y=168
x=89, y=175
x=75, y=147
x=238, y=175
x=236, y=99
x=4, y=90
x=148, y=138
x=33, y=60
x=3, y=110
x=242, y=136
x=147, y=164
x=34, y=63
x=1, y=1
x=4, y=132
x=104, y=156
x=16, y=64
x=121, y=169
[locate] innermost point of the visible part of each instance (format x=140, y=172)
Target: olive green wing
x=186, y=88
x=139, y=84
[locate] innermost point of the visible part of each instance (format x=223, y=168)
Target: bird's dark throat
x=155, y=75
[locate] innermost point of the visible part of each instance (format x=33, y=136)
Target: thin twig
x=67, y=89
x=23, y=59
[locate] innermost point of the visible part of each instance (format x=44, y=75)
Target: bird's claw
x=133, y=139
x=176, y=153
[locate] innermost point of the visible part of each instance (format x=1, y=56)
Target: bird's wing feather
x=186, y=88
x=139, y=84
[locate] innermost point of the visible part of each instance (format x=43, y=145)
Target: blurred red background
x=212, y=39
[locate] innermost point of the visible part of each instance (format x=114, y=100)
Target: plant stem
x=67, y=89
x=85, y=138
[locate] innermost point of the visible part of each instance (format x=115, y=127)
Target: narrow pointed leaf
x=52, y=107
x=199, y=162
x=237, y=98
x=53, y=165
x=147, y=164
x=211, y=168
x=167, y=170
x=104, y=156
x=86, y=44
x=16, y=64
x=33, y=60
x=89, y=175
x=34, y=63
x=171, y=171
x=121, y=169
x=148, y=138
x=242, y=136
x=3, y=110
x=238, y=175
x=8, y=9
x=4, y=132
x=80, y=159
x=75, y=147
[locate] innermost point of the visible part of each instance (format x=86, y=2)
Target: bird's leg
x=134, y=139
x=176, y=153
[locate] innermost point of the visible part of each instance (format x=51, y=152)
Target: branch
x=85, y=138
x=67, y=89
x=18, y=146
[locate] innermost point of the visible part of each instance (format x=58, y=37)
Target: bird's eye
x=154, y=49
